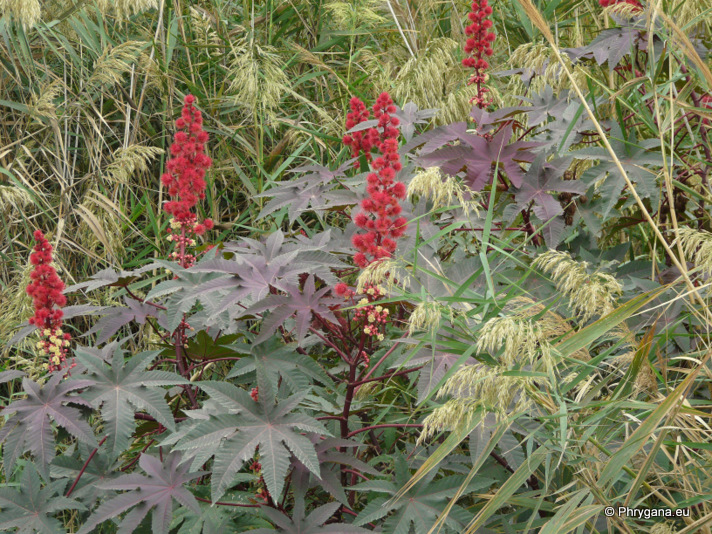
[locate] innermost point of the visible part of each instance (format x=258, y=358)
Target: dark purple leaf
x=166, y=482
x=300, y=303
x=32, y=508
x=29, y=428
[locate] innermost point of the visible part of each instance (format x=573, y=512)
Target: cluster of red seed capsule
x=185, y=180
x=607, y=3
x=479, y=46
x=46, y=291
x=364, y=140
x=381, y=209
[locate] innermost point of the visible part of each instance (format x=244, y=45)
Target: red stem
x=387, y=376
x=84, y=467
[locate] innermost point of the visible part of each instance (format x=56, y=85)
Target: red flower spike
x=185, y=182
x=384, y=192
x=46, y=291
x=635, y=3
x=478, y=46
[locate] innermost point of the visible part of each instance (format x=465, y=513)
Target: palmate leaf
x=300, y=303
x=635, y=157
x=297, y=198
x=233, y=438
x=419, y=508
x=410, y=115
x=29, y=427
x=436, y=365
x=543, y=178
x=311, y=190
x=330, y=462
x=476, y=155
x=272, y=360
x=70, y=311
x=165, y=482
x=31, y=508
x=69, y=465
x=210, y=520
x=564, y=131
x=545, y=105
x=118, y=316
x=311, y=524
x=109, y=277
x=120, y=389
x=258, y=267
x=611, y=46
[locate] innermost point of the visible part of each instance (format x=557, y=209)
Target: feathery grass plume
x=366, y=391
x=646, y=381
x=538, y=57
x=155, y=77
x=697, y=246
x=694, y=13
x=425, y=316
x=17, y=307
x=663, y=528
x=114, y=62
x=477, y=387
x=551, y=323
x=258, y=81
x=429, y=77
x=126, y=162
x=384, y=270
x=523, y=341
x=27, y=12
x=125, y=8
x=42, y=104
x=202, y=23
x=13, y=199
x=457, y=105
x=100, y=230
x=442, y=190
x=629, y=8
x=355, y=14
x=589, y=294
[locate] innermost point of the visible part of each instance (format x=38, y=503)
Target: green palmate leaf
x=29, y=427
x=117, y=316
x=452, y=441
x=272, y=360
x=32, y=508
x=210, y=520
x=122, y=388
x=232, y=438
x=165, y=482
x=330, y=463
x=420, y=506
x=100, y=468
x=636, y=157
x=311, y=524
x=314, y=190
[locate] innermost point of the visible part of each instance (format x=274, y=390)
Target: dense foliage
x=401, y=267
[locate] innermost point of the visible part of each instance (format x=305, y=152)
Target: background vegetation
x=572, y=322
